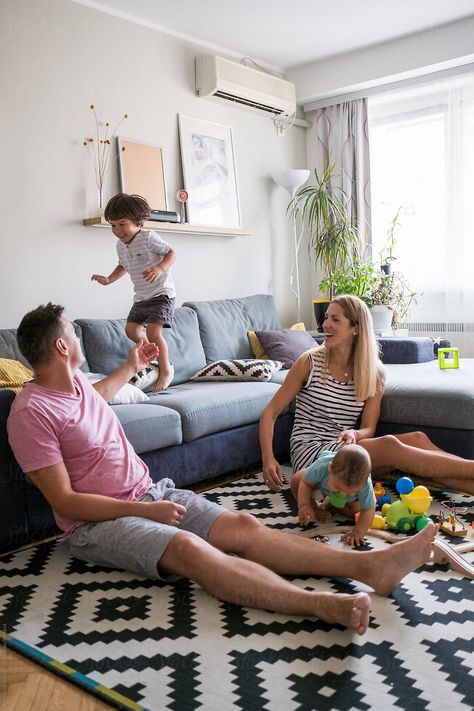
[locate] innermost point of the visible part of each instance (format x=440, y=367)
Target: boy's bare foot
x=164, y=379
x=352, y=611
x=402, y=558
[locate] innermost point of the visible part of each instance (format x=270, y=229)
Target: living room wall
x=58, y=57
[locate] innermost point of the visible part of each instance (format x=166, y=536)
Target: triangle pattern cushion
x=241, y=370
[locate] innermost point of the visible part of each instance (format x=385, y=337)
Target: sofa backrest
x=224, y=324
x=9, y=348
x=106, y=345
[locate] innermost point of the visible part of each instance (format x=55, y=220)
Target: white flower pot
x=382, y=317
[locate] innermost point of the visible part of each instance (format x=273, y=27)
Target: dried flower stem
x=98, y=150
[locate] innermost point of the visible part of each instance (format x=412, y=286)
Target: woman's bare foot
x=352, y=611
x=164, y=379
x=400, y=559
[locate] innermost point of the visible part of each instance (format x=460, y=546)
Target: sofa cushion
x=285, y=345
x=423, y=395
x=206, y=408
x=149, y=427
x=406, y=350
x=224, y=324
x=13, y=374
x=107, y=346
x=248, y=369
x=9, y=347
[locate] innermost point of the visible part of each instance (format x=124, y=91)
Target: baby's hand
x=305, y=514
x=101, y=279
x=354, y=537
x=165, y=512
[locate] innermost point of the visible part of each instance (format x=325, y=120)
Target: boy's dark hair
x=38, y=331
x=352, y=464
x=127, y=207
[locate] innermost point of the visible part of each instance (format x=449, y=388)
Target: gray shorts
x=159, y=309
x=137, y=544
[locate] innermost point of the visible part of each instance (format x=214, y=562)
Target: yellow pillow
x=256, y=346
x=13, y=374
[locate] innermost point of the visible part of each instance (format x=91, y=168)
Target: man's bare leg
x=289, y=554
x=245, y=582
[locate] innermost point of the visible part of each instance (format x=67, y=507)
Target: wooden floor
x=29, y=687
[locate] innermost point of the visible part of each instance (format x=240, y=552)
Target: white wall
x=56, y=58
x=432, y=50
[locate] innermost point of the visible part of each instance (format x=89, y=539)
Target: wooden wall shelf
x=177, y=227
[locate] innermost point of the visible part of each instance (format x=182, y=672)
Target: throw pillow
x=246, y=369
x=13, y=374
x=285, y=345
x=146, y=379
x=256, y=346
x=127, y=395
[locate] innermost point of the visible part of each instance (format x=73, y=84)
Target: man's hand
x=165, y=512
x=142, y=354
x=354, y=537
x=152, y=273
x=104, y=280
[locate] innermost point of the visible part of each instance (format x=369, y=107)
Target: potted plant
x=333, y=239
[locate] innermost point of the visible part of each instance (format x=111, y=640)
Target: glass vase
x=100, y=201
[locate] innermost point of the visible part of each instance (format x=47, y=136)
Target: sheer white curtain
x=422, y=159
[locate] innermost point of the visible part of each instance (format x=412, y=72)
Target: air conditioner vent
x=219, y=77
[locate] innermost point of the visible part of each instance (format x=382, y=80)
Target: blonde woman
x=336, y=384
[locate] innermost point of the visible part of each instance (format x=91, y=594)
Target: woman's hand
x=272, y=475
x=347, y=437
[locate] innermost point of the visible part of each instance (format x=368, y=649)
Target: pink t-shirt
x=46, y=427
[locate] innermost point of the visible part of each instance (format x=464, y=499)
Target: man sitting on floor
x=69, y=441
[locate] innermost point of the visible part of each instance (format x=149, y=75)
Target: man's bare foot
x=352, y=611
x=164, y=379
x=400, y=559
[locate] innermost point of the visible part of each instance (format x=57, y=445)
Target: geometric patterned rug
x=142, y=644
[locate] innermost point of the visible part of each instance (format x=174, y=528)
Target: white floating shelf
x=177, y=227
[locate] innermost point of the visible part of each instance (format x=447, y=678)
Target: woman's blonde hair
x=367, y=369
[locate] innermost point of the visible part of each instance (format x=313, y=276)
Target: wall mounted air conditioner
x=216, y=76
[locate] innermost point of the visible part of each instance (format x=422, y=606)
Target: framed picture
x=142, y=171
x=207, y=155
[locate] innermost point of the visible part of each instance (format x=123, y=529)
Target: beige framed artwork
x=142, y=171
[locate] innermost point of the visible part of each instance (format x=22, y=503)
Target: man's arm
x=138, y=358
x=54, y=484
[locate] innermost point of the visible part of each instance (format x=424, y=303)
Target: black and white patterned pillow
x=247, y=369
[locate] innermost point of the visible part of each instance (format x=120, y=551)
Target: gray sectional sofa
x=194, y=430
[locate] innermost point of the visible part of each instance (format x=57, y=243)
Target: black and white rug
x=140, y=644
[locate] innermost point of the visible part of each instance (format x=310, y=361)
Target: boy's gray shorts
x=137, y=544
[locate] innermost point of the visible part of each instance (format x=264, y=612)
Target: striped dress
x=323, y=410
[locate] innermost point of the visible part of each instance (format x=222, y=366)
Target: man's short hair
x=38, y=332
x=127, y=207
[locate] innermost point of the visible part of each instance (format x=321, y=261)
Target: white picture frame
x=207, y=154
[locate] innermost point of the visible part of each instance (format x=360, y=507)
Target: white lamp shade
x=290, y=179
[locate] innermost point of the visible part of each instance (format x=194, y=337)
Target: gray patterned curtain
x=342, y=138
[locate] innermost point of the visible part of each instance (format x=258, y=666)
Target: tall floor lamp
x=292, y=180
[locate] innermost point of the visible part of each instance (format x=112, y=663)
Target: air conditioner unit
x=216, y=76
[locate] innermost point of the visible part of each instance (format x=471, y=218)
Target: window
x=422, y=159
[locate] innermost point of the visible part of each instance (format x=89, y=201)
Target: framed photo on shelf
x=142, y=172
x=207, y=155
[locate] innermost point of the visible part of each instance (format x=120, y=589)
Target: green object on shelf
x=446, y=363
x=337, y=500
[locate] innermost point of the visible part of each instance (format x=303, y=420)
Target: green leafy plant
x=333, y=239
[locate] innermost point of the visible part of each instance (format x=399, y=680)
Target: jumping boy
x=344, y=479
x=147, y=258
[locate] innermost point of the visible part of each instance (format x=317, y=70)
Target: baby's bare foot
x=402, y=558
x=352, y=611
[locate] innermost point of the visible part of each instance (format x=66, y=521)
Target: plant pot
x=320, y=307
x=387, y=268
x=382, y=317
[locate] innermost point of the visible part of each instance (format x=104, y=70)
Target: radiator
x=459, y=333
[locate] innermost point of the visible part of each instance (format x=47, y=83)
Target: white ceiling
x=285, y=34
